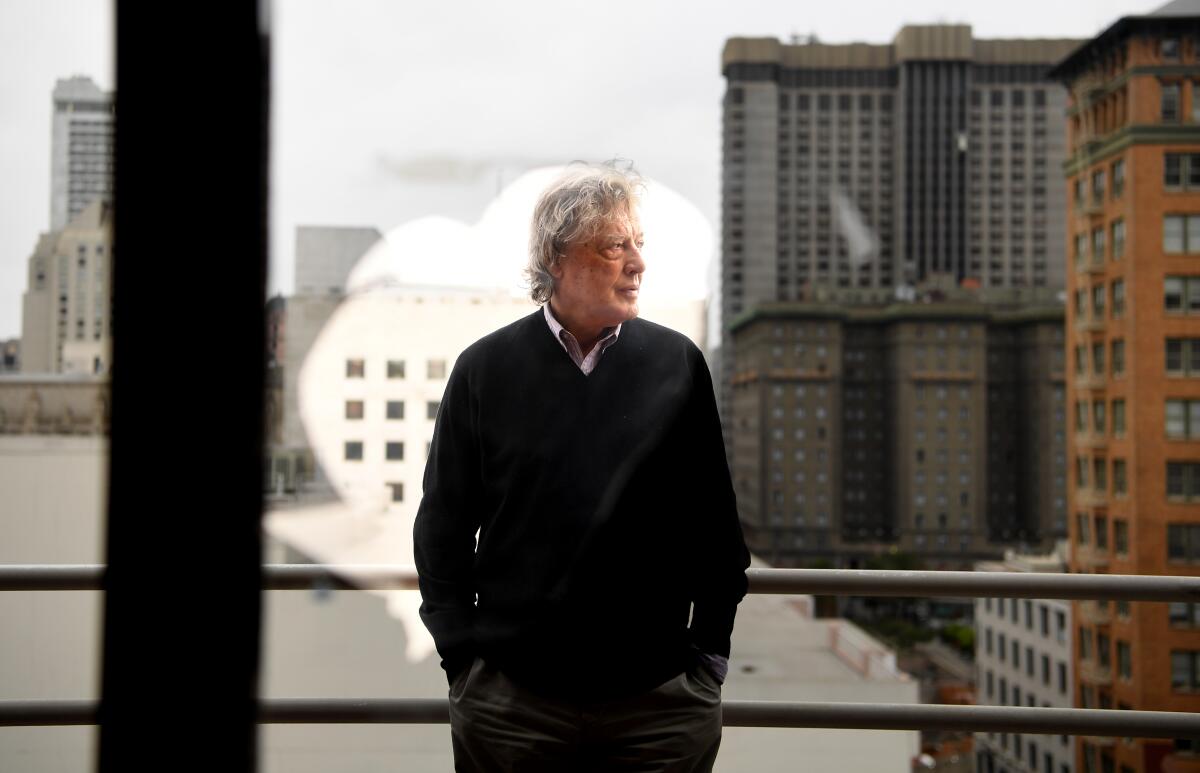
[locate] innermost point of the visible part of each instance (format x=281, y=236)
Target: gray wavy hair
x=574, y=207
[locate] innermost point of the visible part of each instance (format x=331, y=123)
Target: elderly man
x=588, y=628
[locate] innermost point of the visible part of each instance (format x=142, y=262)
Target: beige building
x=67, y=316
x=935, y=428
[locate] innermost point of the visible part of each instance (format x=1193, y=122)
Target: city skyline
x=347, y=153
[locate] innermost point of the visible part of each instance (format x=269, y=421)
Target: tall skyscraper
x=875, y=166
x=81, y=147
x=1133, y=333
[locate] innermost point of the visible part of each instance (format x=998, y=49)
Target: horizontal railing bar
x=833, y=582
x=849, y=716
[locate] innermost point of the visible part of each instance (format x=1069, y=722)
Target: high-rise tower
x=80, y=149
x=944, y=148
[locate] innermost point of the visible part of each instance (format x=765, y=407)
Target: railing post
x=189, y=292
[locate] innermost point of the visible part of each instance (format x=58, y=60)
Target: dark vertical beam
x=189, y=289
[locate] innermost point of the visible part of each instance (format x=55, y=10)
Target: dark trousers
x=496, y=725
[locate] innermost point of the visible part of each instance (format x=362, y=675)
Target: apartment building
x=936, y=428
x=1133, y=332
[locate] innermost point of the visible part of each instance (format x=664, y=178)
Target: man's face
x=597, y=281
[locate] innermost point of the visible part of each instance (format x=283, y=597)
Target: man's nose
x=634, y=264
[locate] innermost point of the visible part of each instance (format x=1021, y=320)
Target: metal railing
x=840, y=582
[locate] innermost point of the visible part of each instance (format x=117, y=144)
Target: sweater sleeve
x=721, y=583
x=446, y=523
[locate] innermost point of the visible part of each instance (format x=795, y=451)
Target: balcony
x=1092, y=673
x=1086, y=556
x=1094, y=613
x=1090, y=381
x=1088, y=722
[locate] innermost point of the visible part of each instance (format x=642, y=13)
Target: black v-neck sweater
x=604, y=509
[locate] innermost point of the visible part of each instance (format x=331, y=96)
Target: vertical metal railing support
x=189, y=288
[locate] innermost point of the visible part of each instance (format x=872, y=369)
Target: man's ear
x=556, y=269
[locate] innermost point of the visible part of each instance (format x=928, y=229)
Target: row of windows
x=1098, y=416
x=357, y=368
x=1097, y=352
x=1099, y=475
x=355, y=409
x=1102, y=649
x=1002, y=697
x=1095, y=248
x=1099, y=184
x=1060, y=617
x=1086, y=527
x=393, y=451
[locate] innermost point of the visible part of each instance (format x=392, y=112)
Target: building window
x=435, y=369
x=1046, y=670
x=394, y=451
x=1098, y=187
x=1098, y=295
x=1168, y=49
x=1170, y=102
x=1183, y=480
x=1098, y=359
x=1183, y=542
x=1120, y=480
x=1185, y=670
x=1118, y=357
x=1118, y=297
x=1118, y=417
x=1118, y=178
x=1098, y=417
x=1181, y=294
x=431, y=409
x=1099, y=482
x=1101, y=531
x=1085, y=643
x=1183, y=356
x=354, y=409
x=395, y=369
x=395, y=409
x=356, y=368
x=397, y=490
x=1118, y=239
x=1082, y=527
x=1181, y=171
x=354, y=451
x=1184, y=614
x=1181, y=234
x=1062, y=677
x=1183, y=418
x=1124, y=660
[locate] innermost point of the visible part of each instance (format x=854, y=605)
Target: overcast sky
x=386, y=111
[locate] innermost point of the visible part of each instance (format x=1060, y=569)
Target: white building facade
x=1023, y=658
